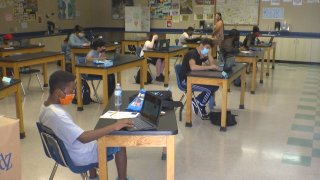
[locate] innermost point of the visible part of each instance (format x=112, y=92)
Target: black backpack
x=137, y=77
x=86, y=92
x=111, y=84
x=215, y=118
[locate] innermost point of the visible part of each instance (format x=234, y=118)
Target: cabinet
x=52, y=43
x=293, y=49
x=315, y=50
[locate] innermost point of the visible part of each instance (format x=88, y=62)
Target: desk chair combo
x=55, y=149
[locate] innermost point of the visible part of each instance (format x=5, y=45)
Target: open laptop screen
x=151, y=108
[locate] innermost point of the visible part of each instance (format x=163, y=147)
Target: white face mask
x=81, y=34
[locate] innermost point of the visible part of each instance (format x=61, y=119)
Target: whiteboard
x=239, y=12
x=137, y=19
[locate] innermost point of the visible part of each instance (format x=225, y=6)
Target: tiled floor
x=277, y=136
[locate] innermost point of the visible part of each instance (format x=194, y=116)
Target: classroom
x=159, y=89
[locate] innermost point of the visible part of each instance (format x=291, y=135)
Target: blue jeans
x=111, y=151
x=207, y=92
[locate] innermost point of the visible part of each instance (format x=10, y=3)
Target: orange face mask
x=67, y=99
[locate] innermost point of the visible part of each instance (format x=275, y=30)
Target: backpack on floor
x=137, y=77
x=215, y=118
x=111, y=84
x=86, y=92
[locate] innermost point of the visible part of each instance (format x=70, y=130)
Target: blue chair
x=56, y=150
x=183, y=88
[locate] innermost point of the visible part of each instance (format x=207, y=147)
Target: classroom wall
x=301, y=18
x=87, y=18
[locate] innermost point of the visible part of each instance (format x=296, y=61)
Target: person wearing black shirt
x=252, y=38
x=192, y=61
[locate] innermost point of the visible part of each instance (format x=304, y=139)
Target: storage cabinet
x=315, y=50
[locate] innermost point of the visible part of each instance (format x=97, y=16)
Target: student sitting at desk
x=252, y=38
x=186, y=35
x=158, y=62
x=80, y=144
x=230, y=45
x=77, y=38
x=192, y=61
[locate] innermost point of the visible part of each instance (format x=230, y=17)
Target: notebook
x=149, y=114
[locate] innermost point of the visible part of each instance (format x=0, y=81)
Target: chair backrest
x=177, y=68
x=138, y=51
x=176, y=41
x=56, y=150
x=132, y=48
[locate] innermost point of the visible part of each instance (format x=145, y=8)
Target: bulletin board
x=137, y=19
x=160, y=9
x=239, y=12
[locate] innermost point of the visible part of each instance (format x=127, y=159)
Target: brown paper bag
x=10, y=156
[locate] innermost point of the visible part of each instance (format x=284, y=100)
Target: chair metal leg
x=84, y=176
x=39, y=81
x=29, y=81
x=95, y=91
x=24, y=92
x=53, y=171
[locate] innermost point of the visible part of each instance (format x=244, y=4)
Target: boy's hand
x=122, y=123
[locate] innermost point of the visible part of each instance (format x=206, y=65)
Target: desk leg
x=19, y=112
x=4, y=71
x=119, y=78
x=254, y=76
x=123, y=47
x=243, y=75
x=188, y=114
x=73, y=62
x=102, y=158
x=16, y=72
x=45, y=74
x=166, y=71
x=143, y=68
x=262, y=69
x=63, y=64
x=79, y=92
x=105, y=89
x=268, y=61
x=224, y=102
x=273, y=56
x=170, y=157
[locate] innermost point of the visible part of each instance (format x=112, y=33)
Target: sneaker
x=96, y=178
x=161, y=75
x=203, y=113
x=195, y=106
x=160, y=78
x=127, y=178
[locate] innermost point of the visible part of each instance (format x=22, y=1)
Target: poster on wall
x=186, y=7
x=204, y=2
x=160, y=9
x=118, y=8
x=24, y=11
x=137, y=19
x=66, y=9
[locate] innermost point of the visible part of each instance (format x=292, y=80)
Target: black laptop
x=162, y=45
x=149, y=114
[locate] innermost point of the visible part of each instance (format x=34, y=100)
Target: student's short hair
x=59, y=80
x=77, y=29
x=206, y=41
x=97, y=43
x=255, y=29
x=190, y=29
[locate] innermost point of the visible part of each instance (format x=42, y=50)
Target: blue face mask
x=204, y=51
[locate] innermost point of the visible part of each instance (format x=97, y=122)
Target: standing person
x=192, y=61
x=158, y=62
x=80, y=144
x=186, y=35
x=218, y=34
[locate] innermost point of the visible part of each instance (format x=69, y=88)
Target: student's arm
x=218, y=27
x=195, y=67
x=92, y=135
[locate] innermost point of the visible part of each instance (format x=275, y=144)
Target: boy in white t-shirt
x=80, y=144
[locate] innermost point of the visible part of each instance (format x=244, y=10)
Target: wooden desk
x=132, y=41
x=125, y=62
x=21, y=49
x=85, y=50
x=172, y=52
x=268, y=49
x=14, y=88
x=252, y=58
x=215, y=78
x=23, y=60
x=162, y=137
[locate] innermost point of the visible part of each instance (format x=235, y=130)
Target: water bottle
x=118, y=96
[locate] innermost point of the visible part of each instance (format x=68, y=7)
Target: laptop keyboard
x=140, y=124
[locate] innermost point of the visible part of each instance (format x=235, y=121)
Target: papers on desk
x=119, y=115
x=246, y=52
x=8, y=48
